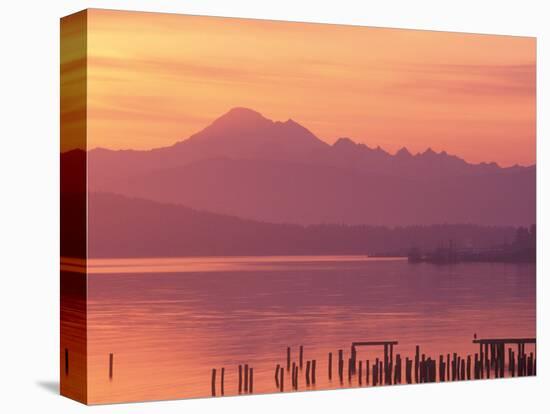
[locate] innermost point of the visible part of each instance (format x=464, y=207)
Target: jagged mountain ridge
x=248, y=166
x=243, y=133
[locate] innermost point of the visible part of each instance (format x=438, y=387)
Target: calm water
x=170, y=321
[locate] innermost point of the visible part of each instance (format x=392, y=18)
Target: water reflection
x=168, y=329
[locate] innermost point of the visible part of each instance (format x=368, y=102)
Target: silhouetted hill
x=73, y=204
x=73, y=171
x=287, y=192
x=128, y=227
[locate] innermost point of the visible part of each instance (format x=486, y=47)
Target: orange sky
x=157, y=78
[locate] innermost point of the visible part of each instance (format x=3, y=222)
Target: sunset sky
x=155, y=79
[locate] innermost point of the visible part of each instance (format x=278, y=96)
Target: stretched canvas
x=253, y=206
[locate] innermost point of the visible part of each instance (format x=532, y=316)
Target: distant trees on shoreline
x=522, y=249
x=127, y=227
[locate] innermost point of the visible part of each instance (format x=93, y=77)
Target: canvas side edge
x=73, y=207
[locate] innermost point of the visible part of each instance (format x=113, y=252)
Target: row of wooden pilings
x=492, y=358
x=246, y=380
x=490, y=362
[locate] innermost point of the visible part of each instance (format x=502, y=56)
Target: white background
x=29, y=206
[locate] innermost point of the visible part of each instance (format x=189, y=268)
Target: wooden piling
x=330, y=366
x=301, y=356
x=110, y=367
x=428, y=363
x=213, y=382
x=469, y=367
x=341, y=365
x=251, y=378
x=313, y=366
x=502, y=359
x=423, y=368
x=367, y=368
x=66, y=361
x=360, y=375
x=416, y=364
x=308, y=367
x=481, y=356
x=448, y=366
x=399, y=380
x=429, y=370
x=222, y=380
x=390, y=367
x=277, y=368
x=496, y=360
x=386, y=363
x=282, y=379
x=353, y=360
x=480, y=351
x=520, y=362
x=486, y=362
x=245, y=378
x=394, y=368
x=454, y=367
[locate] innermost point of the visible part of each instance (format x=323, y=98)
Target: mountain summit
x=239, y=118
x=245, y=133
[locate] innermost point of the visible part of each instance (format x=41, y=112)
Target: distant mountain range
x=247, y=166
